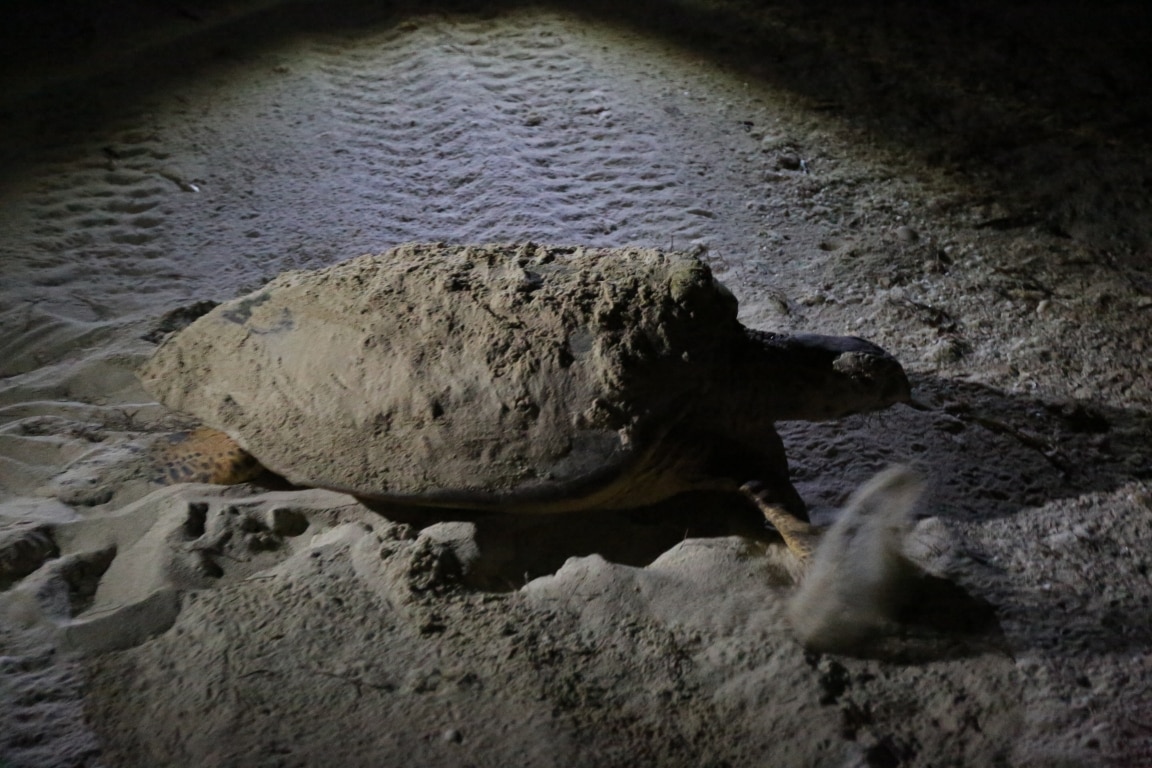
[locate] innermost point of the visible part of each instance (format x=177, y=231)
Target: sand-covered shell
x=457, y=374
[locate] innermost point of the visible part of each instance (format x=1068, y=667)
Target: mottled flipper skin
x=202, y=455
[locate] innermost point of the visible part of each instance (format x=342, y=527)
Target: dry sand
x=968, y=185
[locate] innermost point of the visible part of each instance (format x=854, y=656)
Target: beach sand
x=967, y=186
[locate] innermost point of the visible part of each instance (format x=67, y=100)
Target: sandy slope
x=967, y=188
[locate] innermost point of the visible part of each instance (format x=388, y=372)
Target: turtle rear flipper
x=202, y=455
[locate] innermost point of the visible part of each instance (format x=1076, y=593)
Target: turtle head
x=813, y=377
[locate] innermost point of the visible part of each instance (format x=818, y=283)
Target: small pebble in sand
x=947, y=350
x=907, y=235
x=788, y=161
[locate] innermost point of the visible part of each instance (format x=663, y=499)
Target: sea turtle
x=523, y=378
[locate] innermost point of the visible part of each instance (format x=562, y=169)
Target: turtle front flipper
x=799, y=535
x=859, y=578
x=202, y=455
